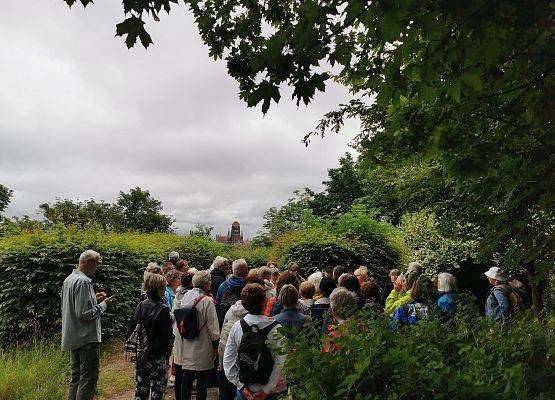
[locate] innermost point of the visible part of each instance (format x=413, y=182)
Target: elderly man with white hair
x=81, y=332
x=230, y=291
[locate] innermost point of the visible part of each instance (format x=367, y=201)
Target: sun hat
x=496, y=273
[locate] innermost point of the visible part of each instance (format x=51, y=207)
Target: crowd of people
x=229, y=323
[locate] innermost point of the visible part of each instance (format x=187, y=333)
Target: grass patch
x=40, y=370
x=34, y=371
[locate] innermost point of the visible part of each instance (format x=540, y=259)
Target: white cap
x=173, y=254
x=496, y=273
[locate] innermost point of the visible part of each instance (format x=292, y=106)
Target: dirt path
x=117, y=377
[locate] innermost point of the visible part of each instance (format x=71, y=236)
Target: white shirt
x=275, y=339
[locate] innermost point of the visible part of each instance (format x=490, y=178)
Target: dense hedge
x=33, y=267
x=470, y=357
x=352, y=239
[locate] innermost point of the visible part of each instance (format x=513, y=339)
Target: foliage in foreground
x=34, y=265
x=468, y=358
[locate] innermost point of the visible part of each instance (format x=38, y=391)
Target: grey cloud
x=81, y=116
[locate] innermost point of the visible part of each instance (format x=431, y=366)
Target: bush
x=350, y=239
x=33, y=267
x=469, y=357
x=253, y=255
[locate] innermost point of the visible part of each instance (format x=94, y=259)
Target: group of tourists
x=229, y=323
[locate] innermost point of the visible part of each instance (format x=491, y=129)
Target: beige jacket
x=197, y=354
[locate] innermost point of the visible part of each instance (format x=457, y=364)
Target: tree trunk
x=537, y=288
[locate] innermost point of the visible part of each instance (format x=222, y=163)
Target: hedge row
x=33, y=267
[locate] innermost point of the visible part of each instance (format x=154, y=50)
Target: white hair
x=89, y=255
x=394, y=272
x=342, y=299
x=201, y=279
x=446, y=282
x=315, y=278
x=172, y=255
x=219, y=261
x=237, y=264
x=192, y=271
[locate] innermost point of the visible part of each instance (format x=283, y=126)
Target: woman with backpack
x=152, y=316
x=196, y=343
x=251, y=361
x=423, y=296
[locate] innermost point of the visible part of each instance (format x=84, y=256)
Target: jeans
x=184, y=379
x=152, y=379
x=85, y=364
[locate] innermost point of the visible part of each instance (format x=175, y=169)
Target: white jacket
x=275, y=339
x=234, y=314
x=197, y=354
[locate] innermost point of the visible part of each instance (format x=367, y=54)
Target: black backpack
x=229, y=298
x=255, y=357
x=187, y=320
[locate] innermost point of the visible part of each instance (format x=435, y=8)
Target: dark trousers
x=227, y=389
x=151, y=379
x=85, y=364
x=184, y=379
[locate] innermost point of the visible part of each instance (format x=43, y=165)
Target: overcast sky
x=83, y=117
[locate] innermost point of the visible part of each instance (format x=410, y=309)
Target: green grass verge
x=34, y=371
x=41, y=371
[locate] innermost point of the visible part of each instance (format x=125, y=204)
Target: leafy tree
x=202, y=230
x=143, y=213
x=292, y=216
x=133, y=211
x=86, y=213
x=341, y=189
x=5, y=195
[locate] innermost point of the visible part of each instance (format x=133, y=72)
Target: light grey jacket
x=80, y=312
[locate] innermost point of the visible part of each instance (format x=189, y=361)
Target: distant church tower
x=234, y=236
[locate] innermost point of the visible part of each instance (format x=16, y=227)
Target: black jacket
x=218, y=277
x=154, y=314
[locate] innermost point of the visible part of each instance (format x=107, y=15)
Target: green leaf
x=133, y=27
x=472, y=80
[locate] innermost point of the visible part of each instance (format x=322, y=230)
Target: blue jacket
x=409, y=314
x=498, y=305
x=447, y=304
x=291, y=319
x=169, y=296
x=231, y=282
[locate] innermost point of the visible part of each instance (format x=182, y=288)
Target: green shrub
x=352, y=239
x=33, y=267
x=253, y=255
x=470, y=357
